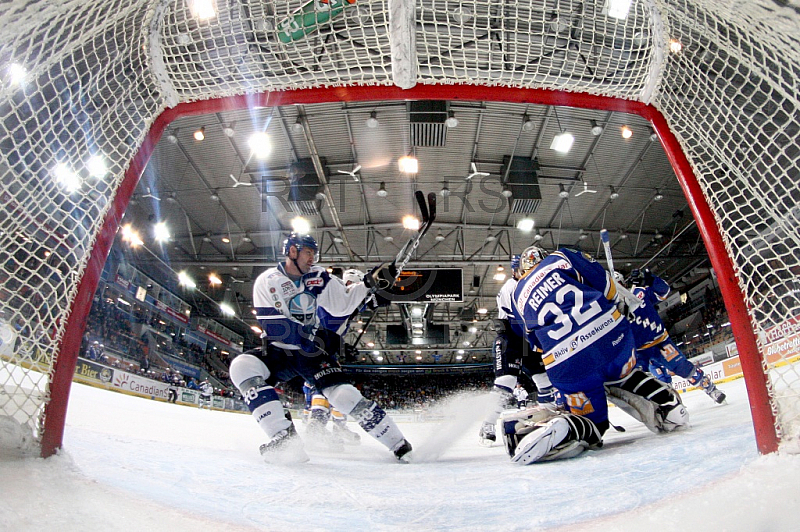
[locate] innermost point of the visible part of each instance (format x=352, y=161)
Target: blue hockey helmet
x=301, y=241
x=514, y=263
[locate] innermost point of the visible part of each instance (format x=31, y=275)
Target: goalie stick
x=631, y=300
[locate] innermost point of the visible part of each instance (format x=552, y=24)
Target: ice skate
x=346, y=435
x=319, y=438
x=487, y=433
x=285, y=447
x=711, y=389
x=401, y=452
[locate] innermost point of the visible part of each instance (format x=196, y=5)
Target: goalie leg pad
x=560, y=437
x=648, y=400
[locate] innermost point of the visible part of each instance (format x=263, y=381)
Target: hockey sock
x=696, y=378
x=265, y=405
x=320, y=409
x=372, y=418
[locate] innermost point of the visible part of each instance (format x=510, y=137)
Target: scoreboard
x=421, y=285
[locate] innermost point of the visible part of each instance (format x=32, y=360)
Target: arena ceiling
x=228, y=210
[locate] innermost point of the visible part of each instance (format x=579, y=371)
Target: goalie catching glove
x=381, y=277
x=541, y=434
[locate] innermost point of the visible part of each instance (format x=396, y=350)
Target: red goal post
x=115, y=74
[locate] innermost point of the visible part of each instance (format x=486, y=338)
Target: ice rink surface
x=134, y=464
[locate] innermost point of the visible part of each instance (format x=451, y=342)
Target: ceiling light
x=96, y=166
x=451, y=121
x=506, y=192
x=659, y=196
x=460, y=351
x=297, y=127
x=626, y=132
x=17, y=73
x=659, y=236
x=172, y=198
x=614, y=194
x=445, y=191
x=562, y=192
x=382, y=190
x=207, y=238
x=185, y=280
x=583, y=235
x=259, y=144
x=408, y=164
x=466, y=343
x=203, y=9
x=617, y=9
x=226, y=240
x=596, y=128
x=67, y=178
x=227, y=309
x=338, y=239
x=490, y=237
x=439, y=236
x=500, y=276
x=410, y=222
x=172, y=138
x=214, y=280
x=214, y=195
x=562, y=143
x=388, y=238
x=500, y=268
x=228, y=130
x=537, y=237
x=161, y=232
x=675, y=46
x=526, y=224
x=416, y=311
x=300, y=225
x=417, y=325
x=473, y=329
x=246, y=238
x=527, y=123
x=372, y=121
x=482, y=310
x=622, y=234
x=200, y=134
x=653, y=136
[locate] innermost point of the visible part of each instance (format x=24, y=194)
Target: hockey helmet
x=618, y=277
x=352, y=276
x=530, y=258
x=300, y=241
x=515, y=263
x=636, y=277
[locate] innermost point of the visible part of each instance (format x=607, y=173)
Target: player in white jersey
x=286, y=299
x=512, y=355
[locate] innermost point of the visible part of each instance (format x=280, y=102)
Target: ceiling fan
x=475, y=172
x=351, y=173
x=150, y=195
x=585, y=190
x=237, y=183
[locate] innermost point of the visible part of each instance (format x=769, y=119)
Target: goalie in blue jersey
x=573, y=314
x=653, y=343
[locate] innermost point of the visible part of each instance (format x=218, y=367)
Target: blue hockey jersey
x=566, y=303
x=648, y=329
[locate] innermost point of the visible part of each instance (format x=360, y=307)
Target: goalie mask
x=618, y=277
x=352, y=276
x=530, y=258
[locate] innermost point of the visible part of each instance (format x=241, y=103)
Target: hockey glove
x=350, y=353
x=648, y=278
x=381, y=277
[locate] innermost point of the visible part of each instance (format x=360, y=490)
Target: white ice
x=135, y=464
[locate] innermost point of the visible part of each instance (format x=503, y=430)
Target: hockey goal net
x=88, y=87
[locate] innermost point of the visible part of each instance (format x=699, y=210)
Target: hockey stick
x=631, y=300
x=428, y=212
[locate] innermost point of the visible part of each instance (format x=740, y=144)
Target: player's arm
x=341, y=300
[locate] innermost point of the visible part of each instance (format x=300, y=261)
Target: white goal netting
x=83, y=82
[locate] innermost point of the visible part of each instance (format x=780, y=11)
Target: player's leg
x=677, y=362
x=340, y=428
x=250, y=374
x=506, y=369
x=326, y=374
